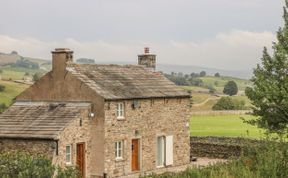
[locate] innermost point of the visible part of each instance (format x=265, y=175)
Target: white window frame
x=68, y=154
x=119, y=150
x=120, y=110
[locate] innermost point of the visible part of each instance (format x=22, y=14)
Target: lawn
x=11, y=91
x=223, y=125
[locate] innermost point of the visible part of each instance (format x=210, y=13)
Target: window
x=164, y=151
x=119, y=150
x=120, y=110
x=160, y=151
x=68, y=154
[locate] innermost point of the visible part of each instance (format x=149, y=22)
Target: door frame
x=139, y=154
x=84, y=157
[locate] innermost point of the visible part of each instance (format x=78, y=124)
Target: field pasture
x=224, y=126
x=12, y=89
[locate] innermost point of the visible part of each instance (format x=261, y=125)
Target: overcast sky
x=224, y=34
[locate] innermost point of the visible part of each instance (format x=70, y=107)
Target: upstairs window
x=68, y=154
x=120, y=110
x=119, y=150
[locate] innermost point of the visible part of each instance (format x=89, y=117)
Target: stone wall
x=71, y=135
x=154, y=117
x=218, y=147
x=44, y=147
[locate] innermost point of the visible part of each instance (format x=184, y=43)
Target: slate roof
x=38, y=120
x=114, y=82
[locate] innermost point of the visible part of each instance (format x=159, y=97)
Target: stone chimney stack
x=148, y=60
x=60, y=57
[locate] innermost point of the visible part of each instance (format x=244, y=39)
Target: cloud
x=235, y=50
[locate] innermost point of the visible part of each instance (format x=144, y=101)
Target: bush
x=211, y=89
x=2, y=88
x=224, y=103
x=267, y=160
x=2, y=107
x=23, y=165
x=36, y=76
x=227, y=103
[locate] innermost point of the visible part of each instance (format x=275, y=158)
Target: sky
x=223, y=34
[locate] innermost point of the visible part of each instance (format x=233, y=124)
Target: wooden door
x=81, y=158
x=135, y=155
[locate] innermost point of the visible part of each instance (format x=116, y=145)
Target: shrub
x=2, y=88
x=224, y=103
x=267, y=160
x=211, y=89
x=36, y=76
x=227, y=103
x=23, y=165
x=2, y=107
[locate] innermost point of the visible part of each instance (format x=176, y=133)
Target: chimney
x=60, y=57
x=148, y=60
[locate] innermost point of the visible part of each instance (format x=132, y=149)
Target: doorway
x=135, y=155
x=81, y=158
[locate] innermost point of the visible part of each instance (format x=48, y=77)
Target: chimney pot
x=146, y=50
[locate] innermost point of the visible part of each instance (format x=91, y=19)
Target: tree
x=217, y=75
x=230, y=88
x=211, y=89
x=36, y=76
x=202, y=74
x=1, y=71
x=269, y=93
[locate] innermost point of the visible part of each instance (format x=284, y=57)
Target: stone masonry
x=155, y=117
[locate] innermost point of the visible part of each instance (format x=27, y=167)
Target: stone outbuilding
x=109, y=120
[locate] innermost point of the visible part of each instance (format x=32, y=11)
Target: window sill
x=120, y=118
x=69, y=164
x=119, y=159
x=159, y=167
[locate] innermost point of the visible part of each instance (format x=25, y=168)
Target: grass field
x=223, y=125
x=219, y=82
x=11, y=91
x=17, y=73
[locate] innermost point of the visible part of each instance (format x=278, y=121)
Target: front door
x=135, y=155
x=81, y=158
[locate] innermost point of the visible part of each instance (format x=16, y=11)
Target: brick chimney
x=60, y=57
x=148, y=60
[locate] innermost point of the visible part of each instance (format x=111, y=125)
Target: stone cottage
x=109, y=120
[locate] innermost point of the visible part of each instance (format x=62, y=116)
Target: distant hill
x=188, y=69
x=9, y=58
x=166, y=68
x=6, y=59
x=13, y=57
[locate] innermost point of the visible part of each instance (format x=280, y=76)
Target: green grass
x=221, y=81
x=11, y=91
x=17, y=73
x=223, y=125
